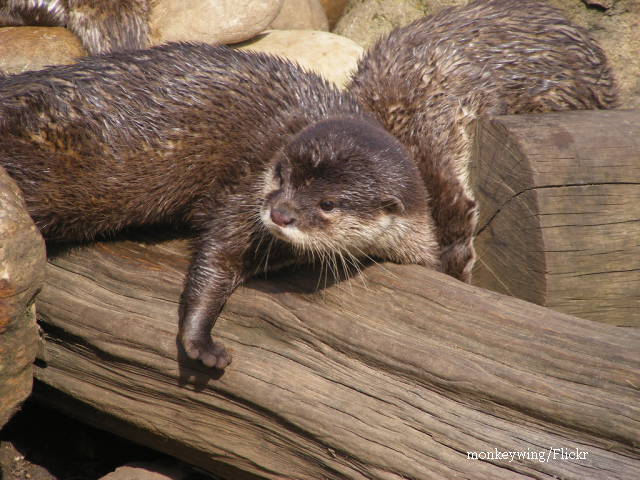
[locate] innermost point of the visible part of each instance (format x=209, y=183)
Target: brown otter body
x=273, y=166
x=269, y=164
x=101, y=25
x=427, y=82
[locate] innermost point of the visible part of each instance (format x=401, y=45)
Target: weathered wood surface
x=22, y=261
x=396, y=379
x=559, y=221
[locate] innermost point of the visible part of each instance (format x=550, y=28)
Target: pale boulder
x=209, y=21
x=330, y=55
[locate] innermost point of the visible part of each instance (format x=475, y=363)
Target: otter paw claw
x=211, y=354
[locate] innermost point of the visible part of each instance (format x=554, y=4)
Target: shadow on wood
x=398, y=375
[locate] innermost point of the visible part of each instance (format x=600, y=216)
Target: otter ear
x=393, y=205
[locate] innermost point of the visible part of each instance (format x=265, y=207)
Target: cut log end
x=559, y=224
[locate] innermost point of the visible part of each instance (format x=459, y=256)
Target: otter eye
x=327, y=206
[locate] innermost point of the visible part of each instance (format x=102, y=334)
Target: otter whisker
x=358, y=266
x=266, y=255
x=380, y=264
x=347, y=272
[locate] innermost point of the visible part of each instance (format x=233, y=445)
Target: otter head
x=347, y=186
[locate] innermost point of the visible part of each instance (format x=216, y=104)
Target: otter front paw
x=210, y=353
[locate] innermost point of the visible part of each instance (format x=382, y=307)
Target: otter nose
x=281, y=218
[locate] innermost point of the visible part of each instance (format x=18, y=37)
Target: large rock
x=209, y=21
x=22, y=261
x=331, y=55
x=301, y=15
x=32, y=48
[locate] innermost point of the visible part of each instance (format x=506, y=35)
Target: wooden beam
x=559, y=222
x=403, y=374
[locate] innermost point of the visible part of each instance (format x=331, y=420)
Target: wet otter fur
x=101, y=25
x=268, y=163
x=429, y=81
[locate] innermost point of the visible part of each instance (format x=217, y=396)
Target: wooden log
x=396, y=375
x=22, y=261
x=559, y=222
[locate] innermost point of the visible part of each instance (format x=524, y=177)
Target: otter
x=427, y=83
x=271, y=165
x=268, y=163
x=101, y=25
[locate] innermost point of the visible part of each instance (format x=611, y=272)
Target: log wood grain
x=22, y=260
x=559, y=223
x=394, y=375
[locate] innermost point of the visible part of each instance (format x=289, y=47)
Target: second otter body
x=269, y=164
x=427, y=83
